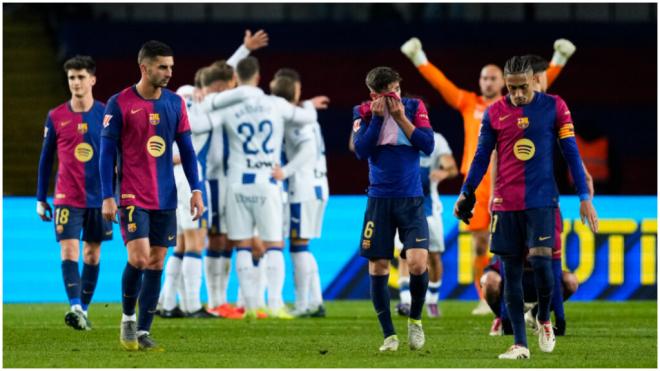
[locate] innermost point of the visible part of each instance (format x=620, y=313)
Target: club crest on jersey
x=154, y=119
x=524, y=149
x=82, y=128
x=156, y=146
x=132, y=227
x=523, y=122
x=106, y=120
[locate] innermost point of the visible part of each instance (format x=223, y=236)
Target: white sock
x=183, y=297
x=191, y=269
x=240, y=300
x=302, y=278
x=404, y=295
x=225, y=270
x=244, y=269
x=275, y=272
x=260, y=282
x=433, y=297
x=212, y=273
x=172, y=273
x=76, y=307
x=315, y=284
x=125, y=318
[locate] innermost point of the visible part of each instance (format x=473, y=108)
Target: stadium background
x=610, y=85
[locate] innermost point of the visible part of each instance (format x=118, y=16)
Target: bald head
x=491, y=81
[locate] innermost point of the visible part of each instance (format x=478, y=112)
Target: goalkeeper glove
x=564, y=49
x=413, y=50
x=466, y=205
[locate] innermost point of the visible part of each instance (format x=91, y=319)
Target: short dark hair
x=539, y=64
x=81, y=62
x=284, y=87
x=152, y=49
x=247, y=68
x=517, y=65
x=288, y=72
x=198, y=77
x=379, y=78
x=216, y=72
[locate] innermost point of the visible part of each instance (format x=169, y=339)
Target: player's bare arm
x=255, y=41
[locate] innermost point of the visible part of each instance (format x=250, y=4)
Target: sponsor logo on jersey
x=154, y=118
x=82, y=128
x=83, y=152
x=523, y=122
x=134, y=111
x=156, y=146
x=243, y=199
x=524, y=149
x=106, y=120
x=127, y=195
x=65, y=123
x=59, y=228
x=259, y=164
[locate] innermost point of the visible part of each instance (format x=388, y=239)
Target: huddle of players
x=131, y=141
x=304, y=201
x=382, y=128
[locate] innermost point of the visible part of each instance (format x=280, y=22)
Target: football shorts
x=306, y=219
x=70, y=221
x=158, y=225
x=436, y=235
x=256, y=204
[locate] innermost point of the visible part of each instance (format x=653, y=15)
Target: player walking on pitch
x=73, y=129
x=143, y=121
x=524, y=127
x=390, y=132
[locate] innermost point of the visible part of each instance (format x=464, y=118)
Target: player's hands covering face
x=396, y=109
x=378, y=106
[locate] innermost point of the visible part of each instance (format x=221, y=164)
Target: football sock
x=543, y=278
x=260, y=281
x=180, y=290
x=212, y=270
x=275, y=272
x=494, y=302
x=225, y=270
x=418, y=286
x=513, y=296
x=148, y=298
x=480, y=263
x=131, y=280
x=244, y=270
x=404, y=289
x=301, y=275
x=191, y=269
x=380, y=296
x=433, y=292
x=71, y=278
x=172, y=272
x=90, y=276
x=557, y=291
x=316, y=299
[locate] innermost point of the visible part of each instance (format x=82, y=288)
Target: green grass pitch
x=600, y=334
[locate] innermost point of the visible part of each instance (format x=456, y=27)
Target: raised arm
x=564, y=49
x=250, y=43
x=453, y=95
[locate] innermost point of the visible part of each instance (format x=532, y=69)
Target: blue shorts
x=381, y=221
x=214, y=200
x=69, y=221
x=158, y=225
x=513, y=232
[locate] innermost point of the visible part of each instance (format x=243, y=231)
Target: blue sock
x=513, y=296
x=213, y=254
x=380, y=296
x=149, y=298
x=557, y=292
x=90, y=275
x=544, y=281
x=131, y=280
x=71, y=278
x=180, y=254
x=226, y=253
x=418, y=286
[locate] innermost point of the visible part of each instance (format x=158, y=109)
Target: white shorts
x=306, y=219
x=436, y=235
x=250, y=205
x=218, y=198
x=184, y=220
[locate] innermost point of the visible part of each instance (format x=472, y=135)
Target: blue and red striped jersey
x=75, y=136
x=145, y=130
x=525, y=140
x=393, y=158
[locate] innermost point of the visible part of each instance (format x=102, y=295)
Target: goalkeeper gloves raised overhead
x=413, y=50
x=564, y=49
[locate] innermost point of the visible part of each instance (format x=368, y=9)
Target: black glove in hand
x=465, y=207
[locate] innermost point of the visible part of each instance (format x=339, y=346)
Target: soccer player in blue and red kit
x=390, y=132
x=524, y=126
x=143, y=121
x=73, y=129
